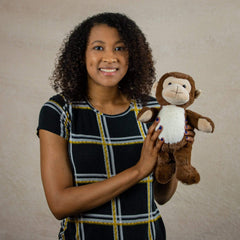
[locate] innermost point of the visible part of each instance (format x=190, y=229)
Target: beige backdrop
x=198, y=37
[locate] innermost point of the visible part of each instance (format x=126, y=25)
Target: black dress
x=100, y=146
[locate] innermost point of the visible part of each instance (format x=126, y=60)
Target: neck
x=108, y=100
x=104, y=95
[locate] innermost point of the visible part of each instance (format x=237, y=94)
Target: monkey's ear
x=154, y=88
x=197, y=93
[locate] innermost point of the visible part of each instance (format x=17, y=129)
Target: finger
x=153, y=126
x=159, y=144
x=188, y=127
x=156, y=133
x=190, y=139
x=189, y=133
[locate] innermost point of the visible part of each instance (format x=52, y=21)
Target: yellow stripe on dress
x=94, y=181
x=108, y=173
x=107, y=144
x=117, y=223
x=148, y=181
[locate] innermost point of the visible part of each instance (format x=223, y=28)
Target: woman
x=96, y=158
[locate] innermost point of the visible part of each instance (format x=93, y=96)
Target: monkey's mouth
x=176, y=97
x=176, y=92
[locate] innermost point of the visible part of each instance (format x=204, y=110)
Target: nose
x=109, y=57
x=110, y=60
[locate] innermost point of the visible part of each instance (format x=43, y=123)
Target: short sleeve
x=54, y=117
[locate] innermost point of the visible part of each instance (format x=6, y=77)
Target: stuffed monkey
x=175, y=92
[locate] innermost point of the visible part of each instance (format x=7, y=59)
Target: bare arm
x=64, y=199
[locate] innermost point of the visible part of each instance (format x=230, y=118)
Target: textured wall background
x=200, y=38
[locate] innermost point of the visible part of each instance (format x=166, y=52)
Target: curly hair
x=70, y=74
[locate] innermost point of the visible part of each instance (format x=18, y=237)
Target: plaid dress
x=101, y=146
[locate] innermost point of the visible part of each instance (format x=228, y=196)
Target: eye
x=169, y=83
x=120, y=48
x=184, y=85
x=98, y=48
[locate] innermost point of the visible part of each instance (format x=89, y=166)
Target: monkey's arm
x=147, y=114
x=200, y=122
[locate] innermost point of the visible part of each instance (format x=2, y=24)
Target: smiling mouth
x=108, y=70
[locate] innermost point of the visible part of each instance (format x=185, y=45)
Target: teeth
x=108, y=70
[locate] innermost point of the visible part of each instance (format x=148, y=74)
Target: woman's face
x=106, y=57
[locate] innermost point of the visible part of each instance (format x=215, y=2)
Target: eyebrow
x=102, y=42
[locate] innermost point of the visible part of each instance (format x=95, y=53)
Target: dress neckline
x=111, y=115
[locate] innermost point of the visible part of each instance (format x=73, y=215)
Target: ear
x=154, y=88
x=197, y=93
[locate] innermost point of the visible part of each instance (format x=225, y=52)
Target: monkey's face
x=176, y=90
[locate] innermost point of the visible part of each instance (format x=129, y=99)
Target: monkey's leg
x=165, y=168
x=185, y=172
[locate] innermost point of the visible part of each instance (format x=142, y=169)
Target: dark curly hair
x=70, y=74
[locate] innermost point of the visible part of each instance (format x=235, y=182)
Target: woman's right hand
x=151, y=146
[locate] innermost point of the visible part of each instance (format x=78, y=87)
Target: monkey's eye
x=184, y=85
x=169, y=83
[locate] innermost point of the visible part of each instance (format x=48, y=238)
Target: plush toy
x=175, y=92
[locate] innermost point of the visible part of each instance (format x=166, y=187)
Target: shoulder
x=55, y=116
x=150, y=102
x=58, y=99
x=58, y=102
x=57, y=105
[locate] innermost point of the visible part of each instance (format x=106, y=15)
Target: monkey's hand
x=147, y=114
x=205, y=125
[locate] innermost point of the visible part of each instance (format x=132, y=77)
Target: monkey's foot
x=187, y=174
x=164, y=173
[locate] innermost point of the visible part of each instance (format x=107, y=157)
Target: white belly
x=172, y=118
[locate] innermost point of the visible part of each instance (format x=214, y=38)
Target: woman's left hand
x=189, y=133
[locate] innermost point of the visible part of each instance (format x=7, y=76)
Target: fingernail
x=186, y=137
x=160, y=127
x=157, y=119
x=161, y=139
x=186, y=131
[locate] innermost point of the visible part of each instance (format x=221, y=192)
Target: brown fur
x=176, y=157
